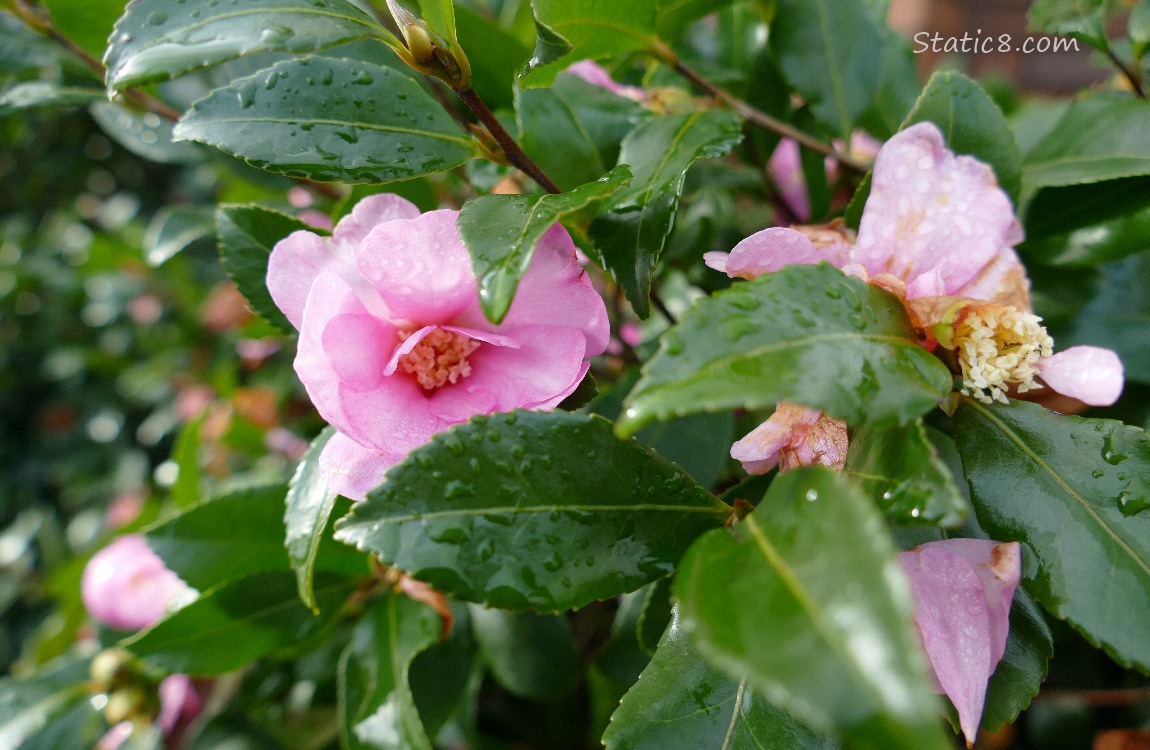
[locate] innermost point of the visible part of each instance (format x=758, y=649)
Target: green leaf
x=1138, y=26
x=495, y=57
x=1080, y=19
x=145, y=134
x=501, y=232
x=80, y=725
x=572, y=30
x=173, y=228
x=529, y=510
x=831, y=53
x=309, y=504
x=442, y=675
x=186, y=492
x=700, y=443
x=630, y=236
x=330, y=120
x=806, y=334
x=439, y=15
x=903, y=474
x=1068, y=488
x=224, y=538
x=1090, y=246
x=1018, y=677
x=898, y=89
x=818, y=573
x=1057, y=210
x=1099, y=138
x=673, y=16
x=30, y=704
x=237, y=623
x=45, y=94
x=376, y=709
x=681, y=701
x=533, y=656
x=573, y=129
x=1118, y=316
x=246, y=234
x=972, y=124
x=160, y=39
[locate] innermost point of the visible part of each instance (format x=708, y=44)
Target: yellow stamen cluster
x=440, y=358
x=999, y=346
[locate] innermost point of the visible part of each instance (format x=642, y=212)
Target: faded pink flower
x=596, y=75
x=393, y=346
x=939, y=232
x=962, y=590
x=793, y=436
x=786, y=167
x=127, y=587
x=180, y=705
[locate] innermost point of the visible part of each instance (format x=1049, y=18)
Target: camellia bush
x=564, y=374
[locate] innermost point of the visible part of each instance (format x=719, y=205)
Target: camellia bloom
x=794, y=436
x=939, y=233
x=127, y=587
x=962, y=590
x=393, y=346
x=596, y=75
x=786, y=167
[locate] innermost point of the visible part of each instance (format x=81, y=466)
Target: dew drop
x=834, y=293
x=157, y=18
x=554, y=562
x=1131, y=505
x=737, y=328
x=742, y=301
x=811, y=496
x=1097, y=473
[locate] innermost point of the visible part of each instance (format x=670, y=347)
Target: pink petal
x=127, y=586
x=369, y=213
x=930, y=210
x=823, y=443
x=759, y=450
x=352, y=470
x=179, y=702
x=962, y=590
x=717, y=260
x=1002, y=280
x=596, y=75
x=356, y=345
x=787, y=168
x=772, y=249
x=555, y=291
x=1090, y=374
x=420, y=267
x=295, y=263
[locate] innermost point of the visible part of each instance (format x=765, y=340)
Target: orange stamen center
x=440, y=358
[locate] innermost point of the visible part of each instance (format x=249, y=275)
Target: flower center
x=999, y=346
x=440, y=358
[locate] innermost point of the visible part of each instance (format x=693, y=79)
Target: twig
x=514, y=153
x=1131, y=76
x=758, y=117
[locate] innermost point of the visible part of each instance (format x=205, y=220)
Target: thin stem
x=514, y=153
x=758, y=117
x=1130, y=75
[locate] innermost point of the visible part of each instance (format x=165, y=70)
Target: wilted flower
x=793, y=436
x=127, y=587
x=962, y=590
x=393, y=346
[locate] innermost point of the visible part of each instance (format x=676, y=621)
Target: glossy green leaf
x=630, y=235
x=224, y=538
x=86, y=22
x=830, y=52
x=814, y=568
x=442, y=675
x=1118, y=316
x=903, y=474
x=495, y=57
x=160, y=39
x=439, y=15
x=44, y=94
x=246, y=234
x=1018, y=677
x=330, y=120
x=1099, y=138
x=672, y=16
x=1080, y=19
x=806, y=334
x=173, y=228
x=1058, y=210
x=681, y=701
x=588, y=29
x=972, y=124
x=501, y=232
x=529, y=510
x=144, y=134
x=30, y=704
x=898, y=88
x=308, y=506
x=376, y=709
x=1069, y=488
x=187, y=492
x=700, y=443
x=1102, y=243
x=573, y=129
x=533, y=656
x=232, y=625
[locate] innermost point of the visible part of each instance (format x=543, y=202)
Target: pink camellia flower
x=596, y=75
x=939, y=233
x=786, y=167
x=127, y=587
x=393, y=346
x=962, y=590
x=793, y=436
x=180, y=705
